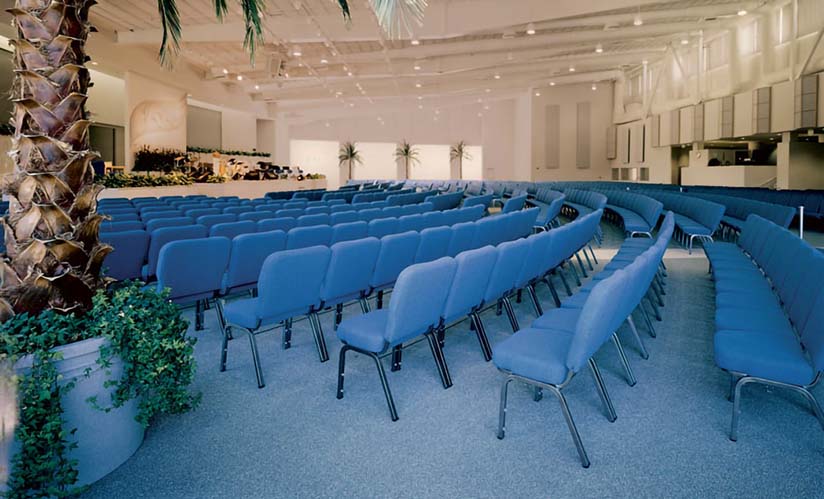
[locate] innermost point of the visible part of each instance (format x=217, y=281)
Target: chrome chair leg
x=553, y=291
x=341, y=368
x=393, y=413
x=650, y=328
x=255, y=358
x=224, y=348
x=602, y=391
x=286, y=339
x=624, y=362
x=641, y=346
x=480, y=332
x=560, y=272
x=573, y=430
x=575, y=273
x=397, y=358
x=586, y=256
x=502, y=410
x=581, y=265
x=592, y=251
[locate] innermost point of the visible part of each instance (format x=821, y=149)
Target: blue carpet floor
x=295, y=439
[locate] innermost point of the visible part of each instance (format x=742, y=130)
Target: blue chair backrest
x=463, y=237
x=304, y=269
x=209, y=220
x=304, y=237
x=193, y=268
x=418, y=299
x=350, y=269
x=232, y=229
x=410, y=222
x=484, y=201
x=146, y=217
x=349, y=231
x=249, y=251
x=289, y=212
x=158, y=223
x=434, y=244
x=471, y=280
x=514, y=204
x=106, y=226
x=369, y=214
x=256, y=216
x=237, y=210
x=343, y=217
x=312, y=220
x=536, y=260
x=163, y=235
x=397, y=252
x=312, y=210
x=340, y=208
x=269, y=224
x=392, y=211
x=434, y=219
x=471, y=214
x=511, y=257
x=199, y=212
x=126, y=260
x=383, y=227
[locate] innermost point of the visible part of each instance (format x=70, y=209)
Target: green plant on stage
x=153, y=159
x=408, y=154
x=209, y=150
x=348, y=155
x=120, y=180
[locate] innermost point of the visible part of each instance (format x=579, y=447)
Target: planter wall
x=105, y=439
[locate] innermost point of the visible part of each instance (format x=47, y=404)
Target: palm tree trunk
x=53, y=254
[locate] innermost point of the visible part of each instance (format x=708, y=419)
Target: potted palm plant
x=457, y=153
x=406, y=155
x=348, y=155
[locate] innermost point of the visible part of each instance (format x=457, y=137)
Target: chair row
x=695, y=218
x=446, y=201
x=140, y=249
x=319, y=277
x=636, y=213
x=227, y=206
x=738, y=209
x=411, y=198
x=378, y=195
x=562, y=342
x=430, y=297
x=769, y=318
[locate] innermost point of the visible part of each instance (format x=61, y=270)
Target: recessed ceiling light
x=594, y=87
x=486, y=107
x=415, y=42
x=225, y=71
x=742, y=12
x=296, y=51
x=480, y=100
x=239, y=77
x=351, y=104
x=599, y=48
x=572, y=69
x=324, y=61
x=345, y=68
x=94, y=63
x=327, y=125
x=487, y=90
x=530, y=29
x=420, y=106
x=497, y=76
x=637, y=21
x=257, y=87
x=286, y=75
x=552, y=84
x=416, y=67
x=437, y=111
x=480, y=115
x=645, y=61
x=349, y=73
x=537, y=94
x=684, y=41
x=420, y=98
x=418, y=85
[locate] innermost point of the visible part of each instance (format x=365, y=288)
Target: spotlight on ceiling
x=742, y=12
x=594, y=87
x=415, y=42
x=327, y=124
x=685, y=41
x=487, y=90
x=348, y=73
x=637, y=21
x=497, y=76
x=599, y=48
x=552, y=84
x=257, y=87
x=572, y=69
x=418, y=84
x=296, y=51
x=416, y=67
x=225, y=71
x=530, y=29
x=239, y=77
x=324, y=61
x=537, y=94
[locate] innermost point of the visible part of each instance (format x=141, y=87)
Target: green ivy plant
x=144, y=329
x=120, y=180
x=228, y=152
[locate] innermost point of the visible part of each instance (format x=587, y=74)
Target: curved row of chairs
x=695, y=218
x=769, y=317
x=430, y=297
x=636, y=213
x=738, y=209
x=320, y=277
x=137, y=251
x=446, y=201
x=312, y=215
x=369, y=196
x=562, y=342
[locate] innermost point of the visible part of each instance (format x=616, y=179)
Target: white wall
x=316, y=156
x=434, y=162
x=157, y=115
x=377, y=161
x=239, y=130
x=472, y=167
x=106, y=99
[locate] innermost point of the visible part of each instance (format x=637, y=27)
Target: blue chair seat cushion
x=755, y=298
x=581, y=209
x=561, y=319
x=577, y=300
x=724, y=248
x=244, y=313
x=743, y=283
x=732, y=262
x=365, y=331
x=732, y=221
x=764, y=355
x=768, y=318
x=537, y=354
x=743, y=272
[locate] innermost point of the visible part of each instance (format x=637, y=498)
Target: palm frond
x=396, y=16
x=221, y=9
x=458, y=151
x=407, y=151
x=170, y=20
x=348, y=152
x=254, y=31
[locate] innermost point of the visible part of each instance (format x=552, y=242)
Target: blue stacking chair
x=341, y=208
x=350, y=268
x=249, y=251
x=463, y=238
x=295, y=205
x=129, y=253
x=391, y=211
x=514, y=204
x=209, y=220
x=269, y=224
x=313, y=220
x=370, y=214
x=122, y=217
x=104, y=210
x=184, y=207
x=289, y=212
x=344, y=217
x=158, y=223
x=303, y=237
x=256, y=216
x=434, y=219
x=548, y=359
x=146, y=217
x=434, y=244
x=415, y=310
x=485, y=232
x=269, y=207
x=349, y=231
x=511, y=257
x=410, y=222
x=304, y=269
x=232, y=229
x=383, y=227
x=193, y=271
x=314, y=210
x=200, y=212
x=129, y=225
x=534, y=267
x=483, y=201
x=164, y=235
x=472, y=274
x=398, y=251
x=238, y=210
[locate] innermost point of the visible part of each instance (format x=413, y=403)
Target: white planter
x=105, y=439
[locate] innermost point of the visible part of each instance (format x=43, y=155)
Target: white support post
x=801, y=222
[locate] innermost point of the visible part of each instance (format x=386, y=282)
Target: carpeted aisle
x=294, y=439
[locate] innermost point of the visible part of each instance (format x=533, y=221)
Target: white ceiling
x=465, y=46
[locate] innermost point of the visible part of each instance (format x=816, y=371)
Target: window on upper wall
x=717, y=52
x=784, y=23
x=748, y=36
